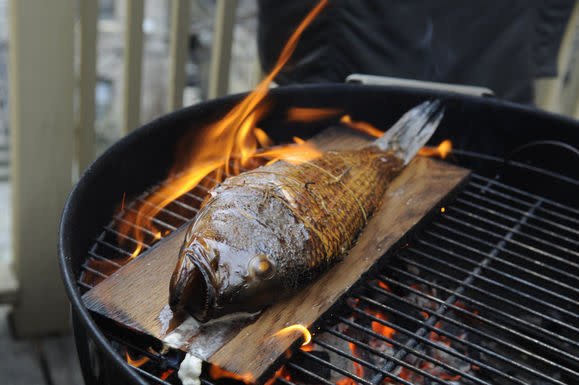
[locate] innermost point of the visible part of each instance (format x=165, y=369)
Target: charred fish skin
x=266, y=233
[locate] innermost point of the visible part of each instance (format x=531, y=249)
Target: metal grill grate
x=486, y=293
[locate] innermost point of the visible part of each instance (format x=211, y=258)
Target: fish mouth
x=191, y=289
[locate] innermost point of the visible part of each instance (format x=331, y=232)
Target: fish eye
x=261, y=267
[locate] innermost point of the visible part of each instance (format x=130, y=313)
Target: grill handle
x=390, y=81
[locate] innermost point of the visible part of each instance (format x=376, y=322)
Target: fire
x=166, y=374
x=346, y=381
x=216, y=373
x=378, y=327
x=443, y=149
x=359, y=369
x=364, y=127
x=136, y=363
x=281, y=372
x=233, y=139
x=296, y=114
x=227, y=147
x=384, y=286
x=297, y=327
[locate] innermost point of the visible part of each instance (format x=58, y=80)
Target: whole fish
x=266, y=233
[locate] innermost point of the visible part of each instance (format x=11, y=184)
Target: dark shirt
x=502, y=45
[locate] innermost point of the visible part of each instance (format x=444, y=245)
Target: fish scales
x=333, y=196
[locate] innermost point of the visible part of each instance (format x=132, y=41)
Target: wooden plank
x=137, y=294
x=87, y=82
x=42, y=129
x=221, y=50
x=413, y=194
x=180, y=18
x=133, y=65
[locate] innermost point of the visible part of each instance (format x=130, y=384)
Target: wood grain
x=137, y=293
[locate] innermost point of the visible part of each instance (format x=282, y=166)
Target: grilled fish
x=266, y=233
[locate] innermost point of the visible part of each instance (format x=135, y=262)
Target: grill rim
x=401, y=98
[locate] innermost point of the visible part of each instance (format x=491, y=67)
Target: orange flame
x=308, y=348
x=384, y=286
x=166, y=374
x=136, y=363
x=363, y=127
x=281, y=372
x=378, y=327
x=236, y=138
x=359, y=369
x=297, y=327
x=298, y=114
x=216, y=373
x=442, y=150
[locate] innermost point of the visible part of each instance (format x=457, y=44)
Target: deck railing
x=44, y=132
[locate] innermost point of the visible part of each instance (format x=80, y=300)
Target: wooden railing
x=44, y=131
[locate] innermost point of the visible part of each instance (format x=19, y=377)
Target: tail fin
x=411, y=132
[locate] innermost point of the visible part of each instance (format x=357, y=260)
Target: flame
x=308, y=347
x=136, y=363
x=384, y=286
x=442, y=150
x=233, y=138
x=359, y=369
x=298, y=114
x=281, y=372
x=363, y=127
x=166, y=374
x=406, y=374
x=450, y=377
x=378, y=327
x=297, y=327
x=216, y=373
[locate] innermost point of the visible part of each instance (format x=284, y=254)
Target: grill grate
x=485, y=293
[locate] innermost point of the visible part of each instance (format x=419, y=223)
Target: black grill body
x=485, y=132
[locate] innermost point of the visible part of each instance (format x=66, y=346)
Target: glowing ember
x=378, y=327
x=233, y=139
x=359, y=369
x=443, y=149
x=281, y=372
x=346, y=381
x=297, y=327
x=216, y=373
x=136, y=363
x=384, y=286
x=166, y=374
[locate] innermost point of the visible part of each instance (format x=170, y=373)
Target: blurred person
x=502, y=45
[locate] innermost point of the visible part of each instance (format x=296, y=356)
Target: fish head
x=214, y=278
